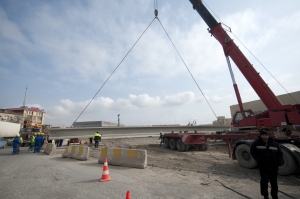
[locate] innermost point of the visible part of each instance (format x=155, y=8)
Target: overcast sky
x=64, y=51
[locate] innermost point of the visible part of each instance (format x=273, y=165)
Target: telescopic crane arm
x=277, y=115
x=231, y=50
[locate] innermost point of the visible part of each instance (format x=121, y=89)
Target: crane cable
x=155, y=8
x=114, y=71
x=253, y=55
x=188, y=69
x=156, y=14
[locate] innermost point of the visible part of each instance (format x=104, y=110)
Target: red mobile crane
x=282, y=121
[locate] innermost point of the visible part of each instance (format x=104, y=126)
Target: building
x=257, y=106
x=10, y=116
x=221, y=120
x=24, y=113
x=95, y=124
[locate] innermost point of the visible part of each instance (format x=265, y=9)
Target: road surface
x=169, y=174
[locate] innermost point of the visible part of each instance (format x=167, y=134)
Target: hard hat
x=39, y=133
x=42, y=133
x=34, y=133
x=18, y=135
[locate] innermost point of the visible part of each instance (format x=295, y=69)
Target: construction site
x=245, y=155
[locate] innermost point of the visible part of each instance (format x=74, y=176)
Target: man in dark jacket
x=269, y=157
x=160, y=138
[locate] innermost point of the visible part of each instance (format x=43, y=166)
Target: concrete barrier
x=50, y=149
x=44, y=145
x=77, y=152
x=81, y=153
x=69, y=151
x=124, y=157
x=66, y=152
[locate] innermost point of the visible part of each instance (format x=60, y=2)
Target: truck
x=281, y=120
x=30, y=128
x=9, y=130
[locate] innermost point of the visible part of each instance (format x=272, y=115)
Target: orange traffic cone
x=128, y=195
x=105, y=174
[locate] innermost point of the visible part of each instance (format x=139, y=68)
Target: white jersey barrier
x=124, y=157
x=50, y=149
x=77, y=152
x=44, y=146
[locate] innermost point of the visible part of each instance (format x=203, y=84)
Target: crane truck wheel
x=173, y=143
x=289, y=166
x=166, y=143
x=187, y=147
x=180, y=145
x=244, y=158
x=202, y=147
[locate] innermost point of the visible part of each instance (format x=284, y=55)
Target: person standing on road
x=20, y=140
x=269, y=157
x=32, y=142
x=38, y=143
x=160, y=138
x=16, y=142
x=97, y=138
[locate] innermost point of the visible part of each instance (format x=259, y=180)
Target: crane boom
x=277, y=114
x=230, y=49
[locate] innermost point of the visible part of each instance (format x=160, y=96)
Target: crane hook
x=156, y=12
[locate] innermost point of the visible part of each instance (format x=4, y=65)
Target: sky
x=65, y=51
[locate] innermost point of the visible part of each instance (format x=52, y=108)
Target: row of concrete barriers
x=116, y=156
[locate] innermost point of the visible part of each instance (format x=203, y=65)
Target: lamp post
x=119, y=120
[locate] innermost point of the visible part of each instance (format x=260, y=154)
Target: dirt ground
x=214, y=164
x=213, y=161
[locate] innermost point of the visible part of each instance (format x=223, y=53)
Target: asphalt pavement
x=37, y=175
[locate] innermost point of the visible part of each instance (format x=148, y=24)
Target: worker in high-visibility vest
x=32, y=142
x=97, y=138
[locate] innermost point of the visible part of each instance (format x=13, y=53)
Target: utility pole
x=119, y=120
x=22, y=124
x=25, y=97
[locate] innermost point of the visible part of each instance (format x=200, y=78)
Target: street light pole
x=119, y=120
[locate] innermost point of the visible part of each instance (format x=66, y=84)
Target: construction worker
x=97, y=138
x=16, y=142
x=160, y=138
x=38, y=143
x=32, y=142
x=43, y=137
x=20, y=140
x=269, y=157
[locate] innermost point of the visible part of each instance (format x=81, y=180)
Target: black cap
x=264, y=132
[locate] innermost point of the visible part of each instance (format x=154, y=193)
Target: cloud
x=144, y=101
x=179, y=99
x=66, y=51
x=218, y=99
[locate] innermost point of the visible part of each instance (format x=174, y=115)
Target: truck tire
x=166, y=143
x=243, y=156
x=202, y=147
x=289, y=166
x=187, y=147
x=173, y=143
x=180, y=145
